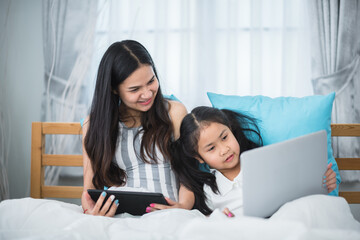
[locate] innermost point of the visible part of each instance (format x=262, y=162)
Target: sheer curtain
x=242, y=47
x=336, y=66
x=68, y=33
x=5, y=123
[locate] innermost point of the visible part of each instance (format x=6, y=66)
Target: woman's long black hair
x=185, y=149
x=119, y=61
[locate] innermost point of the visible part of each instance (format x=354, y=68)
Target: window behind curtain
x=241, y=47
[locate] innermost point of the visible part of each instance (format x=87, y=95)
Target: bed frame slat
x=62, y=160
x=344, y=163
x=351, y=197
x=345, y=130
x=348, y=163
x=61, y=192
x=61, y=128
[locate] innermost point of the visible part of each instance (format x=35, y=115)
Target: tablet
x=131, y=202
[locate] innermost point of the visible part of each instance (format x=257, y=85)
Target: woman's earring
x=119, y=102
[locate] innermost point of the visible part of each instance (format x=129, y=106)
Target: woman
x=127, y=136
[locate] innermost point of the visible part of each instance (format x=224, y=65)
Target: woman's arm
x=88, y=205
x=177, y=113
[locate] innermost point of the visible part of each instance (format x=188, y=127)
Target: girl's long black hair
x=185, y=149
x=119, y=61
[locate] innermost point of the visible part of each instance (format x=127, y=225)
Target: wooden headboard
x=347, y=130
x=39, y=159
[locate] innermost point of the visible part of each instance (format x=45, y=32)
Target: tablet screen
x=134, y=203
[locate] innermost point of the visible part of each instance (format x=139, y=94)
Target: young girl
x=126, y=137
x=217, y=138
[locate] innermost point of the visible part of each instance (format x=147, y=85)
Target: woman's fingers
x=157, y=206
x=105, y=208
x=112, y=209
x=329, y=180
x=328, y=170
x=98, y=204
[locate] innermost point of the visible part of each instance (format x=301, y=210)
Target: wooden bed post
x=36, y=154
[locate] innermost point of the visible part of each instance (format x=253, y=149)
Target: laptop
x=282, y=172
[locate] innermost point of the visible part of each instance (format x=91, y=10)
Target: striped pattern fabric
x=153, y=177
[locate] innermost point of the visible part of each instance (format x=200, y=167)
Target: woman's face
x=219, y=148
x=139, y=90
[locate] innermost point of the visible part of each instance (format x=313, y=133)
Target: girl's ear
x=200, y=160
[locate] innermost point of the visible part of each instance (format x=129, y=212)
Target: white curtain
x=5, y=123
x=242, y=47
x=4, y=155
x=336, y=66
x=68, y=34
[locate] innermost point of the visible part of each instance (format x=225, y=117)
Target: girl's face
x=219, y=148
x=139, y=90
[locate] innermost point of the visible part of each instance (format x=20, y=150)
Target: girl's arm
x=88, y=205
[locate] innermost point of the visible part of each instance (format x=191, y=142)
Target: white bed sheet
x=312, y=217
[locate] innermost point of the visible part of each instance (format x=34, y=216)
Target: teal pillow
x=171, y=97
x=283, y=118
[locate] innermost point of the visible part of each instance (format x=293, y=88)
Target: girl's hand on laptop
x=329, y=179
x=227, y=212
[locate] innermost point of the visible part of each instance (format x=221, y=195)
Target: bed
x=42, y=217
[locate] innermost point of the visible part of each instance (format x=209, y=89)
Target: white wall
x=21, y=83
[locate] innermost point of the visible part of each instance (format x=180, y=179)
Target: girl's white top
x=230, y=196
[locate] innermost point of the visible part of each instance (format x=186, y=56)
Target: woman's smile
x=146, y=102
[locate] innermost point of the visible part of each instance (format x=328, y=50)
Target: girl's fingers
x=227, y=212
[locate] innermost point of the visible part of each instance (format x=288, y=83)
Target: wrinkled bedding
x=311, y=217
